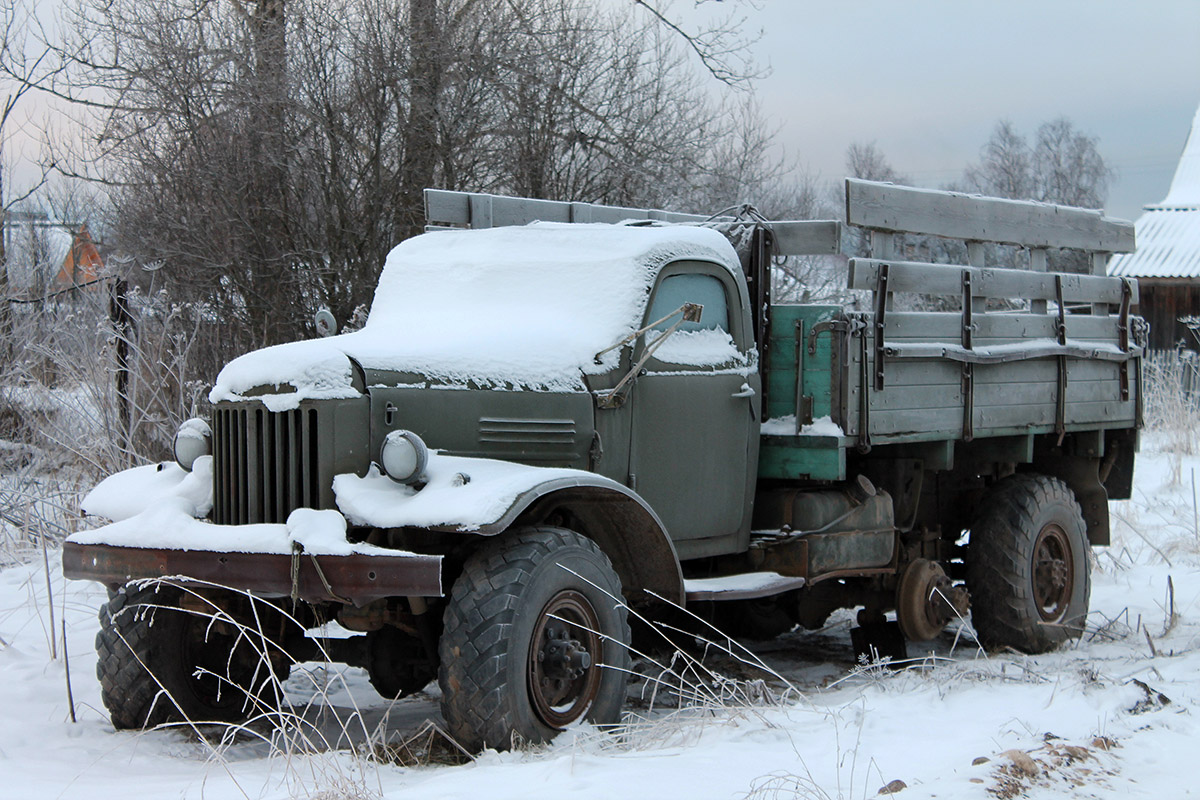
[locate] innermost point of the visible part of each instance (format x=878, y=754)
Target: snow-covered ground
x=1110, y=717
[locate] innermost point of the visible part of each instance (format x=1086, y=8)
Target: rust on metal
x=358, y=578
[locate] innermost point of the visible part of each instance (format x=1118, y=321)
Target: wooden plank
x=1077, y=414
x=954, y=215
x=479, y=210
x=945, y=326
x=916, y=396
x=1017, y=430
x=946, y=280
x=987, y=395
x=939, y=372
x=946, y=421
x=807, y=237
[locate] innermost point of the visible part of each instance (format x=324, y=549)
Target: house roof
x=1168, y=234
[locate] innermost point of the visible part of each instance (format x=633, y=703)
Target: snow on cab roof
x=520, y=307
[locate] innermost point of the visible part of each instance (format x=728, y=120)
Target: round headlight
x=404, y=456
x=193, y=440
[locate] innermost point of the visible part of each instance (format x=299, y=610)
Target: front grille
x=264, y=464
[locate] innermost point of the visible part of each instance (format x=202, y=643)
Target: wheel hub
x=927, y=600
x=1053, y=573
x=564, y=676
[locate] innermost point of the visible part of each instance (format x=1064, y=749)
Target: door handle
x=745, y=391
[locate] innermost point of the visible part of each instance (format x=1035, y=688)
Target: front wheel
x=160, y=662
x=536, y=637
x=1027, y=568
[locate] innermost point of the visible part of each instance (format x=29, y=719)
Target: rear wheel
x=1027, y=567
x=536, y=638
x=162, y=663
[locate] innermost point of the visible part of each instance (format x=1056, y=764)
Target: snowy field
x=1111, y=717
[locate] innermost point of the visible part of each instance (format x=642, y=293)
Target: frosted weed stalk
x=1172, y=396
x=317, y=761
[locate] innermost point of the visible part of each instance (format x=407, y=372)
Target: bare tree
x=22, y=67
x=1068, y=166
x=1063, y=166
x=723, y=47
x=866, y=161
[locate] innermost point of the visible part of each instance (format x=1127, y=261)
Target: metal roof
x=1168, y=246
x=1168, y=234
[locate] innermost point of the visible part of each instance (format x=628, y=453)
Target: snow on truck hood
x=523, y=307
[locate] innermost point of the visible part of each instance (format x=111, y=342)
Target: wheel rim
x=1053, y=573
x=564, y=659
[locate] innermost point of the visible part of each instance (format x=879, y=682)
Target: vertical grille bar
x=295, y=461
x=307, y=465
x=279, y=468
x=242, y=443
x=313, y=466
x=256, y=481
x=218, y=463
x=222, y=472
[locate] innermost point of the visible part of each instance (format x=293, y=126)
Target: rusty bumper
x=356, y=578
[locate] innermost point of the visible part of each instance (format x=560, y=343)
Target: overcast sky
x=926, y=80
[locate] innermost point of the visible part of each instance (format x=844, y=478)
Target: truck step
x=742, y=586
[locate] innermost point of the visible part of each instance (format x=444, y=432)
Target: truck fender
x=617, y=519
x=485, y=497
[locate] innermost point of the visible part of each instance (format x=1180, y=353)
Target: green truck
x=563, y=418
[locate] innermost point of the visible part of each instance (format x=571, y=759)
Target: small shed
x=1167, y=261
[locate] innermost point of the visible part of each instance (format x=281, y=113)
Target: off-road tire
x=149, y=651
x=758, y=620
x=1015, y=602
x=512, y=587
x=397, y=664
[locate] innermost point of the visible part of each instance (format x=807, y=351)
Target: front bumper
x=354, y=578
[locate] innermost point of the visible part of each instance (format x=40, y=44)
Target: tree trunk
x=421, y=133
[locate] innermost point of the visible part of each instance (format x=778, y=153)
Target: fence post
x=122, y=322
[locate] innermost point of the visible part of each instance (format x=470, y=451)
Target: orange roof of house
x=82, y=264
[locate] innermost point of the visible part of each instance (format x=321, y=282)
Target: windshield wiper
x=688, y=312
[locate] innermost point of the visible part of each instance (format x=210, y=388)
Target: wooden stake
x=1195, y=508
x=67, y=672
x=49, y=588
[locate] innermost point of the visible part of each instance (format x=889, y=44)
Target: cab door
x=696, y=409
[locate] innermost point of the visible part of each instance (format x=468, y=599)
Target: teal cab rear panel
x=801, y=437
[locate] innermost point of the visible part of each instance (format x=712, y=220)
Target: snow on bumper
x=158, y=532
x=308, y=558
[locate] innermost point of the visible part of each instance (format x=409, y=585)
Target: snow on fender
x=130, y=492
x=465, y=494
x=485, y=496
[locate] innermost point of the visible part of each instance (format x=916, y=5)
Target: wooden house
x=1167, y=260
x=42, y=256
x=81, y=264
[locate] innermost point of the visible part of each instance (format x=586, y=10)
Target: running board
x=744, y=586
